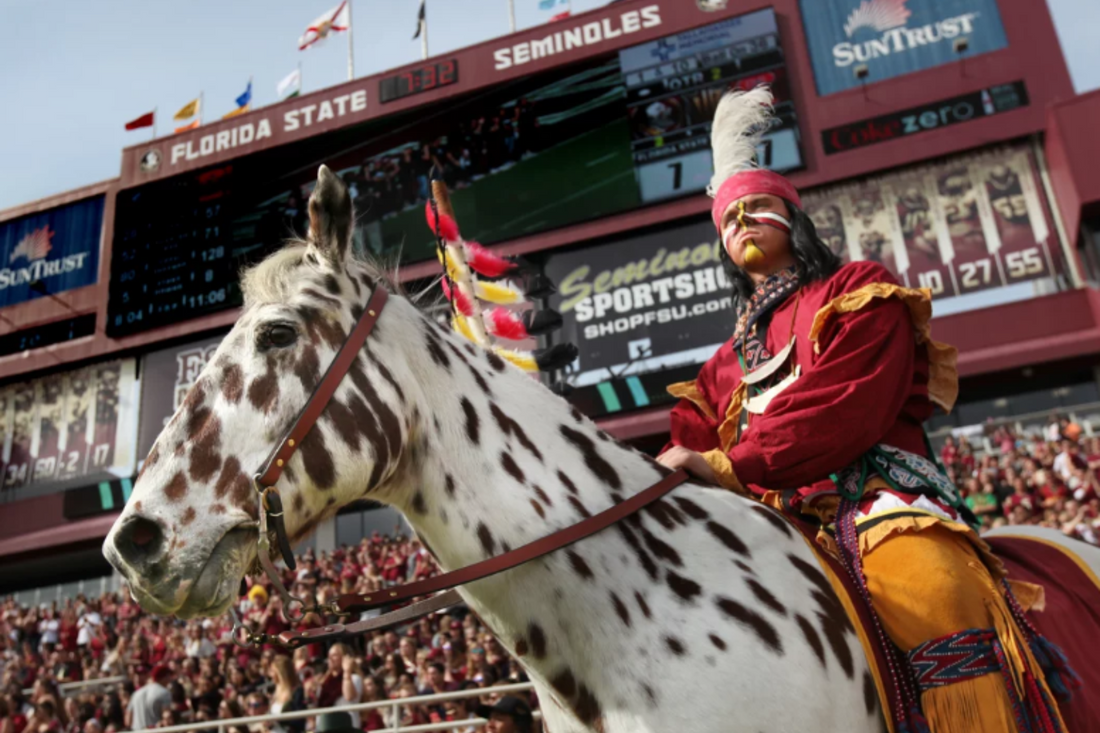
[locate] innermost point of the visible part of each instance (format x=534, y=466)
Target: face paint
x=754, y=256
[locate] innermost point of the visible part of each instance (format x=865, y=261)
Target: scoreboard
x=173, y=262
x=673, y=87
x=576, y=142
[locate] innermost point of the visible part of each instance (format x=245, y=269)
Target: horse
x=704, y=611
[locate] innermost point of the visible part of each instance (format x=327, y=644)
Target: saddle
x=1070, y=615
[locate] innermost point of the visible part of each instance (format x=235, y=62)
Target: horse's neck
x=500, y=461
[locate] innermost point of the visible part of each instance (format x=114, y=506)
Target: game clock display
x=415, y=81
x=173, y=253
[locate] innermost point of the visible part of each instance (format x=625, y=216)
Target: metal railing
x=69, y=688
x=394, y=706
x=1086, y=415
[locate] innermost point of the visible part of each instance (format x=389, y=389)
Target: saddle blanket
x=1070, y=617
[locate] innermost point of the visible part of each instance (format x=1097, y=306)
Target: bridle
x=271, y=521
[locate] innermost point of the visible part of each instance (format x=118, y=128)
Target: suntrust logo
x=889, y=18
x=34, y=247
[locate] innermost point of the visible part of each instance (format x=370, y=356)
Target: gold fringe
x=720, y=463
x=958, y=706
x=727, y=431
x=943, y=376
x=690, y=391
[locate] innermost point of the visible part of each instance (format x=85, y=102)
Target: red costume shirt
x=864, y=381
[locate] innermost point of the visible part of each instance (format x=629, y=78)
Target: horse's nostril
x=144, y=533
x=139, y=541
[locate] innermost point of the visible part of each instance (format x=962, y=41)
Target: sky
x=72, y=72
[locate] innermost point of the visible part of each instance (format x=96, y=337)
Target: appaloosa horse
x=705, y=612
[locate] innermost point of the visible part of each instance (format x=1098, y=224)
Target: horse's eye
x=278, y=336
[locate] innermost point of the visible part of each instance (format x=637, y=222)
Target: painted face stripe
x=766, y=218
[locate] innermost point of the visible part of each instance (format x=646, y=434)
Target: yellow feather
x=522, y=359
x=496, y=293
x=459, y=324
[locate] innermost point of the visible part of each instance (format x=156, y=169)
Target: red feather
x=448, y=227
x=462, y=303
x=506, y=324
x=484, y=262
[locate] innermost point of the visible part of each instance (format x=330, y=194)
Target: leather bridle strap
x=470, y=573
x=507, y=561
x=283, y=452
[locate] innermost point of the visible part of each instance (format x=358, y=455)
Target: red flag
x=146, y=120
x=560, y=16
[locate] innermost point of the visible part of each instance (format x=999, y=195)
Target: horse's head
x=189, y=532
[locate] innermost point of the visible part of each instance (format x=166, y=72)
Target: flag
x=234, y=113
x=561, y=16
x=246, y=96
x=292, y=83
x=188, y=110
x=189, y=126
x=334, y=21
x=421, y=18
x=146, y=120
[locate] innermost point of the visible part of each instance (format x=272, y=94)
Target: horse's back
x=1069, y=572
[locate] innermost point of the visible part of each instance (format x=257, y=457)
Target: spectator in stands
x=7, y=724
x=508, y=715
x=150, y=700
x=1069, y=460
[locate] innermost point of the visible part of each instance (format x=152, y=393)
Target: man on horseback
x=815, y=407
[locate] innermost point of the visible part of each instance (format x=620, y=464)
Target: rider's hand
x=680, y=457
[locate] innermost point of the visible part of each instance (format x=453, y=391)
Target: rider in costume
x=815, y=406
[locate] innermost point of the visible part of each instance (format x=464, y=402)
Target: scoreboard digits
x=417, y=80
x=171, y=262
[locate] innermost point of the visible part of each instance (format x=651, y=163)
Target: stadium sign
x=579, y=36
x=931, y=116
x=894, y=37
x=50, y=252
x=167, y=377
x=254, y=131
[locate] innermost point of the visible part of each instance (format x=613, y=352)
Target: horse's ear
x=330, y=217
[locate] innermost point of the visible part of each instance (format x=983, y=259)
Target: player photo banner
x=77, y=426
x=966, y=224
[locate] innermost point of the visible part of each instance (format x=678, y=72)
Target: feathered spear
x=462, y=261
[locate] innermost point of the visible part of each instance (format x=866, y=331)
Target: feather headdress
x=740, y=124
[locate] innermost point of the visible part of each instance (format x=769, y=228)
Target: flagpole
x=299, y=78
x=154, y=137
x=511, y=16
x=202, y=108
x=351, y=53
x=424, y=33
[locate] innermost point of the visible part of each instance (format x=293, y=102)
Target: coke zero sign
x=932, y=116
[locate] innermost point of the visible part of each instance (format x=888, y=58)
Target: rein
x=271, y=520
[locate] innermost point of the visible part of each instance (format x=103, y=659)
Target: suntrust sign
x=894, y=37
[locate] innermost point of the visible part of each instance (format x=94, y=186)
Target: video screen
x=562, y=147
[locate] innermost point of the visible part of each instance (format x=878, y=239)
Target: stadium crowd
x=191, y=672
x=1047, y=479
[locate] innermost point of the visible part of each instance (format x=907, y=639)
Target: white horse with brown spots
x=702, y=613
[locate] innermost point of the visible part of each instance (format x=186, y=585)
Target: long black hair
x=815, y=261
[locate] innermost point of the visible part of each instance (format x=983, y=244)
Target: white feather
x=740, y=122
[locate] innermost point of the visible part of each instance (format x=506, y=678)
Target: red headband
x=747, y=182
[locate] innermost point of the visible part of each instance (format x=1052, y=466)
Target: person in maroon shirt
x=815, y=406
